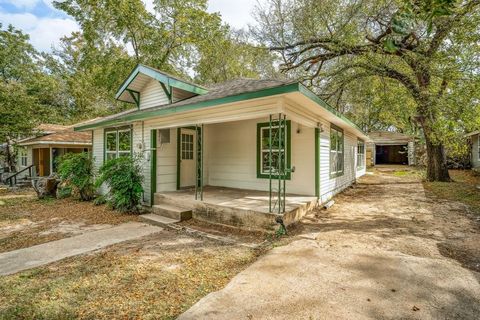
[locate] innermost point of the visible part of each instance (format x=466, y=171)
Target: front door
x=187, y=158
x=41, y=160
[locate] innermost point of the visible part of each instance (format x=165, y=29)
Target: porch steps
x=172, y=211
x=157, y=220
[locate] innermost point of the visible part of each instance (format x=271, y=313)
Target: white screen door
x=187, y=158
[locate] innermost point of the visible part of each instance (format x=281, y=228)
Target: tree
x=17, y=114
x=91, y=75
x=19, y=106
x=233, y=56
x=425, y=46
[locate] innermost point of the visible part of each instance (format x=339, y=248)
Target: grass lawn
x=462, y=189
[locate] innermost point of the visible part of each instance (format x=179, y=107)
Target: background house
x=50, y=142
x=475, y=151
x=390, y=148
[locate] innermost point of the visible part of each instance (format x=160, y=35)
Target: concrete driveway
x=379, y=253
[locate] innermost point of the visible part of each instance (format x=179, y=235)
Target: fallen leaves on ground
x=157, y=277
x=25, y=220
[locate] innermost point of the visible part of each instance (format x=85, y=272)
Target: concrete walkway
x=22, y=259
x=376, y=254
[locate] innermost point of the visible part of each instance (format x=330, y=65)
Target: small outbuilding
x=390, y=148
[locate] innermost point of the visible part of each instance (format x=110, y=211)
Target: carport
x=391, y=148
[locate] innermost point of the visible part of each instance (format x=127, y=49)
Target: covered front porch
x=45, y=158
x=245, y=173
x=243, y=208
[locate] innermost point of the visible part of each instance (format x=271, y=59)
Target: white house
x=241, y=153
x=475, y=151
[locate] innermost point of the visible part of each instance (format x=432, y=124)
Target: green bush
x=124, y=179
x=64, y=192
x=76, y=170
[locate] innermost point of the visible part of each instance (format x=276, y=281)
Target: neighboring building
x=475, y=151
x=49, y=143
x=233, y=145
x=390, y=148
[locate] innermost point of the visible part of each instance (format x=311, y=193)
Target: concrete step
x=157, y=220
x=173, y=200
x=172, y=211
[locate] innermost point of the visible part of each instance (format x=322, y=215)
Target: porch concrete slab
x=239, y=198
x=22, y=259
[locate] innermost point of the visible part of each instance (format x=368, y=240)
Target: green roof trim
x=159, y=76
x=145, y=113
x=156, y=112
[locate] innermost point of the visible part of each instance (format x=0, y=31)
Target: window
x=187, y=146
x=360, y=154
x=23, y=157
x=118, y=143
x=263, y=149
x=336, y=151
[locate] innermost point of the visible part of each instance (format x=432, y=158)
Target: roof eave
x=169, y=81
x=288, y=88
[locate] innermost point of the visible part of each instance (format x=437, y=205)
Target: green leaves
x=390, y=45
x=124, y=180
x=76, y=170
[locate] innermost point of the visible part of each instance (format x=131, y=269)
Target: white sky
x=46, y=25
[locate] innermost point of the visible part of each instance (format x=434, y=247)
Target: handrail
x=13, y=177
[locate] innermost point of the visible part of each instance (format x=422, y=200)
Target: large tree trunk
x=10, y=156
x=436, y=163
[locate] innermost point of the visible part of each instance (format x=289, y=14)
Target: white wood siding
x=232, y=158
x=97, y=153
x=475, y=155
x=152, y=95
x=331, y=186
x=167, y=164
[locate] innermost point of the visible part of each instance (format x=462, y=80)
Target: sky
x=46, y=25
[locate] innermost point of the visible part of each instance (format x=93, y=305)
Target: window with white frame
x=360, y=154
x=118, y=143
x=23, y=157
x=267, y=140
x=336, y=151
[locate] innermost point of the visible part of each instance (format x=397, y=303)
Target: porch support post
x=199, y=162
x=51, y=160
x=153, y=165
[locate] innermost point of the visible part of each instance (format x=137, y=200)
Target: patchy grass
x=27, y=221
x=158, y=277
x=462, y=189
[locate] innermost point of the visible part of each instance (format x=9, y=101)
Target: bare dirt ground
x=155, y=277
x=384, y=251
x=26, y=221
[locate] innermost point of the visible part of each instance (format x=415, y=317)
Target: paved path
x=22, y=259
x=376, y=254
